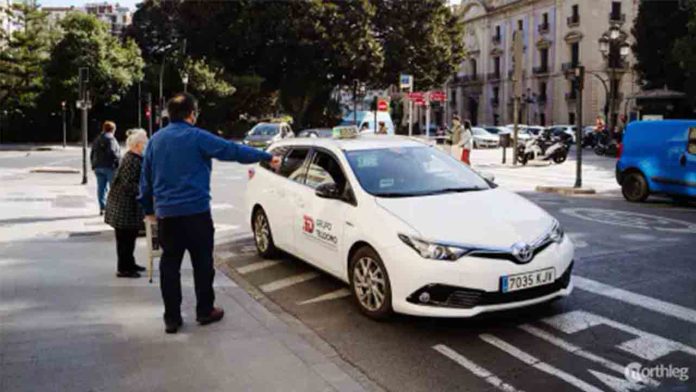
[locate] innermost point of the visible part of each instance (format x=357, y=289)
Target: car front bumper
x=471, y=285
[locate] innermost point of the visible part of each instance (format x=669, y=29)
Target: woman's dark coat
x=122, y=209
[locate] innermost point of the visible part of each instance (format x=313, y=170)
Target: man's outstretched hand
x=275, y=162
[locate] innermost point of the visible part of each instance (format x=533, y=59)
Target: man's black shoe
x=139, y=268
x=127, y=274
x=215, y=315
x=172, y=326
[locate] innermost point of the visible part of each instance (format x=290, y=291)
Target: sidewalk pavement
x=68, y=324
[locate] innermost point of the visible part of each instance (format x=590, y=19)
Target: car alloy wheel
x=262, y=234
x=634, y=187
x=370, y=284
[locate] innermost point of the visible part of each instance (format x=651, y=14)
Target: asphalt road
x=582, y=342
x=635, y=301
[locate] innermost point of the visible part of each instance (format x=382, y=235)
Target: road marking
x=336, y=294
x=474, y=368
x=537, y=363
x=573, y=349
x=287, y=282
x=257, y=266
x=656, y=305
x=577, y=240
x=633, y=220
x=647, y=346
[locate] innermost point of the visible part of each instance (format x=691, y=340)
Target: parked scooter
x=544, y=147
x=606, y=146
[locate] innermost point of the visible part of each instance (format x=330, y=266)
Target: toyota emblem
x=522, y=252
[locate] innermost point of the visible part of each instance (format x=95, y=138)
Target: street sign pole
x=580, y=85
x=62, y=104
x=84, y=105
x=517, y=47
x=406, y=81
x=140, y=107
x=427, y=115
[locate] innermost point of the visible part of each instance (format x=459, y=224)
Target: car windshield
x=412, y=171
x=479, y=131
x=493, y=130
x=265, y=130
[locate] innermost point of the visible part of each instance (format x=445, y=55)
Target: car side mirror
x=328, y=191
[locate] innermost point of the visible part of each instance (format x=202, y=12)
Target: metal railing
x=543, y=28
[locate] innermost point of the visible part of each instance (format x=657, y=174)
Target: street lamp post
x=185, y=79
x=62, y=105
x=615, y=49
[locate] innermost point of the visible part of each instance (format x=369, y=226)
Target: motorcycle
x=605, y=146
x=544, y=148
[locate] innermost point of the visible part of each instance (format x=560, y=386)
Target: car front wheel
x=370, y=285
x=262, y=234
x=634, y=187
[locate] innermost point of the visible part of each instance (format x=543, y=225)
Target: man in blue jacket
x=175, y=186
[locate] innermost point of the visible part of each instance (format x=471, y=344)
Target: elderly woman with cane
x=123, y=211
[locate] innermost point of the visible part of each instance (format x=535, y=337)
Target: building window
x=542, y=92
x=472, y=66
x=571, y=118
x=544, y=56
x=574, y=18
x=520, y=25
x=545, y=19
x=542, y=119
x=496, y=96
x=496, y=66
x=615, y=10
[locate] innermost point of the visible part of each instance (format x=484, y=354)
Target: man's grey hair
x=135, y=137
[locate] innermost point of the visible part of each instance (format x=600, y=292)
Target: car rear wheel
x=559, y=158
x=262, y=235
x=634, y=187
x=369, y=284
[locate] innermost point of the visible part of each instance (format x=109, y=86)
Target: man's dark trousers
x=195, y=234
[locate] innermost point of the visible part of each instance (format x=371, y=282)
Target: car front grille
x=465, y=298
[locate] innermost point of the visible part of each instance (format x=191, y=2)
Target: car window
x=692, y=141
x=264, y=130
x=292, y=166
x=324, y=169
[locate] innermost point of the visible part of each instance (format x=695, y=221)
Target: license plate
x=527, y=280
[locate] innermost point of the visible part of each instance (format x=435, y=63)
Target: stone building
x=558, y=35
x=117, y=17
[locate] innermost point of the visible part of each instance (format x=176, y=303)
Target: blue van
x=658, y=157
x=368, y=117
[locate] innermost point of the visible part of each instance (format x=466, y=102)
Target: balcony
x=543, y=28
x=571, y=96
x=509, y=74
x=573, y=21
x=465, y=79
x=541, y=99
x=540, y=70
x=497, y=39
x=494, y=76
x=569, y=67
x=495, y=101
x=617, y=18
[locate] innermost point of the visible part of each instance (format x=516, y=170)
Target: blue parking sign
x=405, y=81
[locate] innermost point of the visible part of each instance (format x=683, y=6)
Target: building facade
x=56, y=14
x=558, y=35
x=117, y=17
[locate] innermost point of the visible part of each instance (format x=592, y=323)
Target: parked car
x=658, y=157
x=523, y=135
x=264, y=134
x=484, y=139
x=535, y=129
x=316, y=132
x=569, y=130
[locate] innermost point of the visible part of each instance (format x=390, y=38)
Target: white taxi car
x=411, y=229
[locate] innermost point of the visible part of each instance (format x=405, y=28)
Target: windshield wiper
x=398, y=194
x=453, y=190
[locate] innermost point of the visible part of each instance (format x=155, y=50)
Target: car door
x=320, y=222
x=290, y=181
x=682, y=171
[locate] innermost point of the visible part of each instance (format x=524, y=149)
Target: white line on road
x=287, y=282
x=257, y=266
x=535, y=362
x=336, y=294
x=646, y=302
x=474, y=368
x=647, y=346
x=573, y=349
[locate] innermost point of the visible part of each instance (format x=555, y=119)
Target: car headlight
x=556, y=234
x=431, y=250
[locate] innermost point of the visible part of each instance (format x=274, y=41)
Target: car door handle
x=682, y=160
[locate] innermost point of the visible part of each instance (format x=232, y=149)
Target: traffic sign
x=405, y=81
x=382, y=105
x=438, y=96
x=420, y=96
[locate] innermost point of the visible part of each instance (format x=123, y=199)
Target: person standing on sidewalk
x=104, y=157
x=467, y=143
x=175, y=186
x=456, y=137
x=123, y=212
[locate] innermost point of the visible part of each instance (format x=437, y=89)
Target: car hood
x=486, y=137
x=258, y=138
x=495, y=217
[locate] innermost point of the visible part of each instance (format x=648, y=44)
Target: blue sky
x=61, y=3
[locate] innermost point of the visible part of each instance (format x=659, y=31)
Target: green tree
x=684, y=53
x=114, y=66
x=23, y=54
x=657, y=27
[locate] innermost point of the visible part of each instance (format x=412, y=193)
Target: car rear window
x=692, y=141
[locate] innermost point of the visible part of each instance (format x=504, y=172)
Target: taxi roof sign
x=345, y=132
